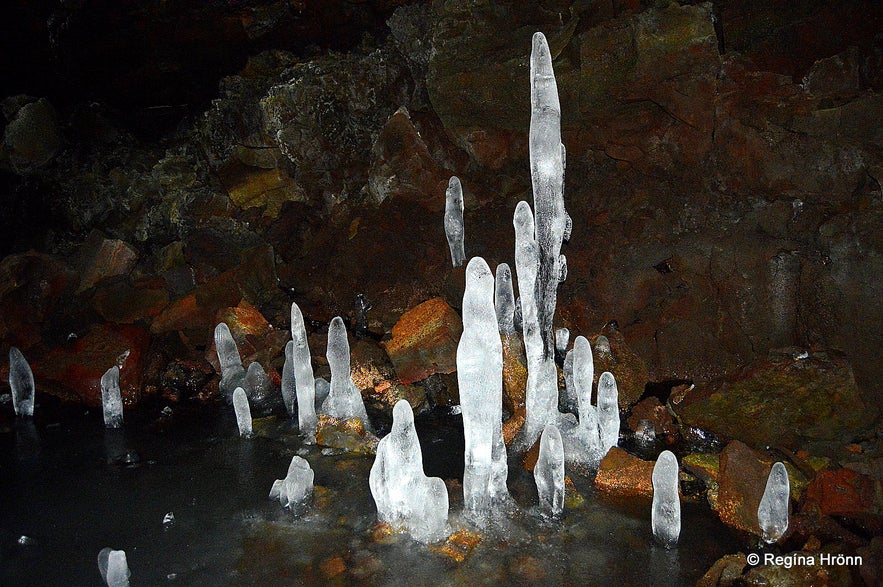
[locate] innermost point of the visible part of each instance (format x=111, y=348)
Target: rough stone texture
x=31, y=137
x=625, y=475
x=125, y=303
x=651, y=410
x=742, y=479
x=103, y=257
x=627, y=367
x=782, y=401
x=724, y=572
x=847, y=494
x=349, y=435
x=514, y=372
x=424, y=341
x=75, y=371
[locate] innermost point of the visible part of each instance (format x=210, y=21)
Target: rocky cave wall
x=206, y=161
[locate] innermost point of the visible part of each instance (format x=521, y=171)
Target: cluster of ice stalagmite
x=344, y=399
x=295, y=490
x=298, y=360
x=455, y=228
x=111, y=398
x=665, y=516
x=406, y=498
x=254, y=381
x=243, y=412
x=21, y=381
x=772, y=514
x=113, y=567
x=549, y=472
x=480, y=379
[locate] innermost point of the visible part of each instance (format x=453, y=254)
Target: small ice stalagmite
x=113, y=567
x=455, y=228
x=480, y=378
x=772, y=514
x=562, y=338
x=289, y=387
x=588, y=431
x=295, y=490
x=21, y=380
x=344, y=400
x=567, y=401
x=305, y=383
x=232, y=372
x=111, y=398
x=549, y=472
x=243, y=412
x=504, y=299
x=406, y=498
x=608, y=411
x=665, y=517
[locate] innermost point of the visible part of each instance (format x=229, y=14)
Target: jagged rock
x=76, y=370
x=514, y=372
x=424, y=341
x=835, y=77
x=651, y=410
x=724, y=572
x=628, y=368
x=102, y=257
x=814, y=573
x=783, y=401
x=625, y=475
x=846, y=494
x=349, y=435
x=125, y=303
x=32, y=136
x=372, y=373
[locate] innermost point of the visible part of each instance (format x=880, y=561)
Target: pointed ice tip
x=402, y=413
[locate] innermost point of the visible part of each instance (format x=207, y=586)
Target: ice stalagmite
x=243, y=412
x=295, y=490
x=406, y=498
x=455, y=229
x=480, y=378
x=289, y=388
x=562, y=338
x=541, y=394
x=547, y=177
x=665, y=517
x=549, y=472
x=608, y=411
x=232, y=372
x=344, y=400
x=772, y=514
x=113, y=567
x=111, y=398
x=588, y=431
x=504, y=299
x=21, y=380
x=303, y=374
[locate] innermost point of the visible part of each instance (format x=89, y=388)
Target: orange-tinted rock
x=458, y=545
x=843, y=492
x=372, y=373
x=742, y=478
x=332, y=567
x=513, y=425
x=103, y=257
x=76, y=370
x=724, y=572
x=424, y=341
x=349, y=435
x=628, y=368
x=651, y=410
x=124, y=303
x=514, y=372
x=625, y=475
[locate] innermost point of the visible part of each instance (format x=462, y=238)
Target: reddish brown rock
x=845, y=493
x=349, y=435
x=372, y=373
x=103, y=257
x=424, y=341
x=458, y=545
x=628, y=368
x=125, y=303
x=625, y=475
x=75, y=371
x=657, y=414
x=724, y=572
x=514, y=372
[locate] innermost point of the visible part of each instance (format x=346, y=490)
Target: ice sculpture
x=504, y=299
x=295, y=490
x=344, y=399
x=549, y=472
x=113, y=567
x=232, y=372
x=772, y=514
x=111, y=398
x=665, y=517
x=303, y=374
x=243, y=412
x=454, y=226
x=547, y=177
x=406, y=498
x=480, y=378
x=21, y=381
x=608, y=411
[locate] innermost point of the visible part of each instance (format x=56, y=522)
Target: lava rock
x=625, y=475
x=424, y=341
x=32, y=135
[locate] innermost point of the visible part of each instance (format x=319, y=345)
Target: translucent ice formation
x=665, y=517
x=303, y=374
x=295, y=490
x=480, y=378
x=547, y=177
x=21, y=380
x=588, y=433
x=289, y=387
x=344, y=400
x=562, y=337
x=406, y=498
x=549, y=472
x=113, y=567
x=111, y=398
x=608, y=411
x=232, y=372
x=772, y=514
x=243, y=412
x=504, y=299
x=454, y=226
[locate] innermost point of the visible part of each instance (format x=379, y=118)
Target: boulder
x=424, y=341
